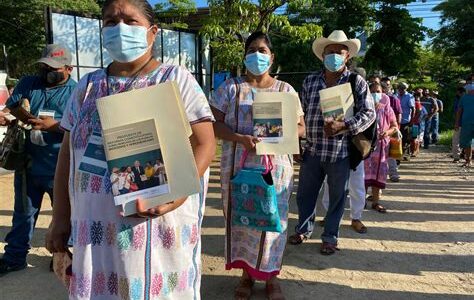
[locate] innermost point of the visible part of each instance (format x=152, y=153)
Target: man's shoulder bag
x=363, y=144
x=12, y=149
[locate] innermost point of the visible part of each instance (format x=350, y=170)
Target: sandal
x=274, y=291
x=379, y=208
x=297, y=239
x=358, y=226
x=328, y=248
x=369, y=198
x=244, y=290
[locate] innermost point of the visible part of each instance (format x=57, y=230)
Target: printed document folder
x=137, y=111
x=288, y=144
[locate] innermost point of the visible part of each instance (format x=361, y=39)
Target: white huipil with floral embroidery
x=119, y=257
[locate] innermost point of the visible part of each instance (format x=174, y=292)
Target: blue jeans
x=312, y=174
x=435, y=128
x=25, y=215
x=427, y=133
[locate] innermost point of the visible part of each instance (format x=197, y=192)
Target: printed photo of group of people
x=132, y=177
x=268, y=128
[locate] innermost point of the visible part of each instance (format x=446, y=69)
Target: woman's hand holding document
x=337, y=105
x=146, y=137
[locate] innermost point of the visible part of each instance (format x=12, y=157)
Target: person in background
x=259, y=254
x=326, y=153
x=374, y=78
x=431, y=107
x=48, y=94
x=455, y=148
x=376, y=166
x=465, y=122
x=156, y=253
x=417, y=124
x=124, y=181
x=435, y=119
x=397, y=110
x=158, y=169
x=407, y=102
x=114, y=180
x=139, y=174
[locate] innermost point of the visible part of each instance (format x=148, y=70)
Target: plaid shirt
x=333, y=148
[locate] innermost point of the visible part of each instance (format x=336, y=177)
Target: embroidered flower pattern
x=84, y=181
x=125, y=237
x=185, y=235
x=194, y=235
x=83, y=230
x=98, y=284
x=156, y=284
x=96, y=183
x=112, y=284
x=183, y=280
x=97, y=233
x=136, y=288
x=138, y=237
x=107, y=183
x=157, y=234
x=110, y=234
x=168, y=238
x=83, y=286
x=124, y=288
x=172, y=281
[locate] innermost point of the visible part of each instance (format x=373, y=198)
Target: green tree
x=175, y=12
x=394, y=41
x=231, y=21
x=352, y=16
x=456, y=34
x=23, y=30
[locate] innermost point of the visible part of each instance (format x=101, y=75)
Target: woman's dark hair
x=374, y=85
x=143, y=6
x=258, y=35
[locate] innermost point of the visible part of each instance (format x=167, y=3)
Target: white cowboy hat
x=336, y=37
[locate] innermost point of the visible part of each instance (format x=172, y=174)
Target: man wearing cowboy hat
x=47, y=94
x=326, y=151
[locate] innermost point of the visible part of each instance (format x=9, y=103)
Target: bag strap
x=352, y=81
x=266, y=161
x=282, y=87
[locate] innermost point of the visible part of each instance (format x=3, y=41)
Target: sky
x=417, y=9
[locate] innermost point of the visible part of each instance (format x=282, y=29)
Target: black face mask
x=51, y=77
x=55, y=77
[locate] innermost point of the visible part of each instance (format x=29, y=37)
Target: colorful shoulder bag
x=253, y=196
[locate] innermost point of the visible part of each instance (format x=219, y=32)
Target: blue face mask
x=377, y=97
x=257, y=63
x=334, y=62
x=125, y=43
x=469, y=87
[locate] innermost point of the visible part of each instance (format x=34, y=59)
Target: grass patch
x=445, y=137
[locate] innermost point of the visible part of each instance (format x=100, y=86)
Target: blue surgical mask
x=469, y=87
x=257, y=63
x=125, y=43
x=377, y=97
x=334, y=62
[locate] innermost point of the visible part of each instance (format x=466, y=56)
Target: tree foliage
x=353, y=16
x=231, y=21
x=392, y=46
x=23, y=29
x=456, y=35
x=175, y=11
